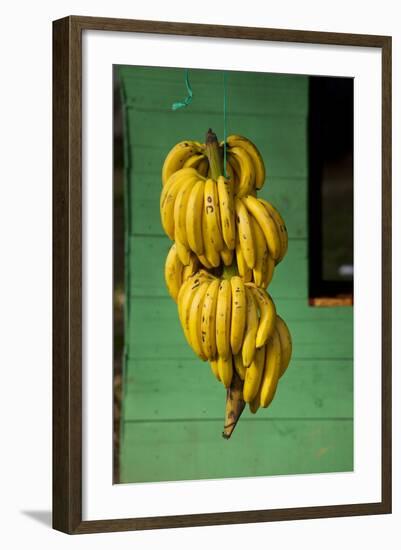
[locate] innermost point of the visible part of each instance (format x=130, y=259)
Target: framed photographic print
x=222, y=274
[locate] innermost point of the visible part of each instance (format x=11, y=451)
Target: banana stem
x=235, y=404
x=230, y=270
x=213, y=154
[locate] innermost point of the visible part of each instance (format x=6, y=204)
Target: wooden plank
x=147, y=254
x=281, y=140
x=131, y=76
x=287, y=95
x=154, y=330
x=183, y=450
x=179, y=389
x=288, y=195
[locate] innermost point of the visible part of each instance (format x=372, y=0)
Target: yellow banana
x=194, y=161
x=281, y=227
x=210, y=252
x=215, y=368
x=183, y=252
x=208, y=320
x=219, y=218
x=238, y=313
x=212, y=211
x=231, y=176
x=244, y=167
x=261, y=252
x=253, y=375
x=168, y=197
x=245, y=233
x=253, y=152
x=195, y=314
x=233, y=170
x=177, y=156
x=239, y=366
x=184, y=301
x=225, y=367
x=181, y=293
x=267, y=321
x=193, y=227
x=251, y=327
x=180, y=212
x=266, y=223
x=267, y=270
x=227, y=211
x=173, y=272
x=180, y=174
x=286, y=344
x=271, y=371
x=243, y=268
x=227, y=256
x=255, y=403
x=223, y=319
x=234, y=166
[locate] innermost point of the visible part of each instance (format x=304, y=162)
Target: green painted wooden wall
x=173, y=408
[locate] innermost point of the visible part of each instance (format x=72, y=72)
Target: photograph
x=233, y=267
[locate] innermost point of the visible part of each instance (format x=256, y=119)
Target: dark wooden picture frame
x=67, y=274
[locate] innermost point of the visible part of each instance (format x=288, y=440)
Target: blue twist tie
x=188, y=99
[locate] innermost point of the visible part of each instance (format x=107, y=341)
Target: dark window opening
x=330, y=190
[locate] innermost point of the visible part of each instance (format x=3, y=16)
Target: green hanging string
x=188, y=99
x=225, y=123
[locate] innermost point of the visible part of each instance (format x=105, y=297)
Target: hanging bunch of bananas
x=227, y=243
x=212, y=218
x=235, y=327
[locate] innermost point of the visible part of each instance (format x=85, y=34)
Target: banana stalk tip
x=210, y=136
x=235, y=404
x=228, y=430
